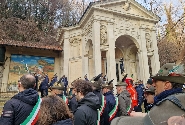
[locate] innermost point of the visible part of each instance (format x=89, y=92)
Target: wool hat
x=171, y=72
x=151, y=89
x=150, y=81
x=120, y=83
x=59, y=86
x=108, y=85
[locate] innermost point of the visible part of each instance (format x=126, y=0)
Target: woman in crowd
x=54, y=111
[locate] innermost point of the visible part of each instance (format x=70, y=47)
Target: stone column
x=143, y=58
x=66, y=49
x=96, y=47
x=111, y=62
x=85, y=60
x=155, y=64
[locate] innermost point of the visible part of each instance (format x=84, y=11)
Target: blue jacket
x=44, y=84
x=54, y=79
x=18, y=108
x=110, y=104
x=140, y=92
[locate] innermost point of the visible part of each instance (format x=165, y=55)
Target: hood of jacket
x=91, y=100
x=64, y=122
x=29, y=96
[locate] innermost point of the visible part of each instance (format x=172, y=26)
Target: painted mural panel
x=21, y=64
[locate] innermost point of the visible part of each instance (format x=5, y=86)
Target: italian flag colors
x=112, y=114
x=100, y=112
x=103, y=105
x=65, y=99
x=33, y=117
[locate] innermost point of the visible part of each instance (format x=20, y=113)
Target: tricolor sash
x=33, y=117
x=98, y=121
x=65, y=99
x=103, y=105
x=112, y=114
x=100, y=111
x=129, y=108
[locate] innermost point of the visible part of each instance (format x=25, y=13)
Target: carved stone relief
x=126, y=5
x=126, y=27
x=103, y=35
x=148, y=44
x=89, y=49
x=75, y=47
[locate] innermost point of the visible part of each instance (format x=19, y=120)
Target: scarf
x=166, y=93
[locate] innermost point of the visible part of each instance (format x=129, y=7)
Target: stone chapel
x=112, y=37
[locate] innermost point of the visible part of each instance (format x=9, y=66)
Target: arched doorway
x=126, y=57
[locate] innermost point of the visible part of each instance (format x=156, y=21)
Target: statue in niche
x=148, y=42
x=103, y=35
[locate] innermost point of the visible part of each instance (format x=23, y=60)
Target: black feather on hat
x=108, y=84
x=97, y=81
x=121, y=82
x=110, y=81
x=97, y=77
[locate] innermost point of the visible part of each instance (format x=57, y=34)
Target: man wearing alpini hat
x=57, y=89
x=96, y=83
x=111, y=102
x=169, y=100
x=124, y=99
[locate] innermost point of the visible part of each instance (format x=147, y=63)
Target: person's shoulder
x=81, y=109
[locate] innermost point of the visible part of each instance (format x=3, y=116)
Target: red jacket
x=132, y=92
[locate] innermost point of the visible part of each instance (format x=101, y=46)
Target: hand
x=135, y=114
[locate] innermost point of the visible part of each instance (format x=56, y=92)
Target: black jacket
x=64, y=122
x=86, y=113
x=73, y=104
x=18, y=108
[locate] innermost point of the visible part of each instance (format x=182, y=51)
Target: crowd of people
x=93, y=102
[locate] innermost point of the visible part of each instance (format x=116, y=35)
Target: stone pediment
x=127, y=7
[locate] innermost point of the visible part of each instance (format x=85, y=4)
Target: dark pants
x=138, y=108
x=44, y=92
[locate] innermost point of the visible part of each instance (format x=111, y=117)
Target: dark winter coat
x=44, y=84
x=140, y=93
x=53, y=80
x=18, y=108
x=104, y=114
x=73, y=104
x=64, y=122
x=110, y=101
x=86, y=113
x=124, y=103
x=110, y=104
